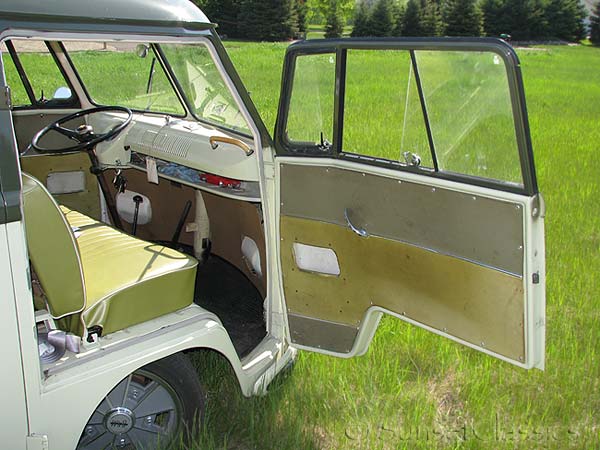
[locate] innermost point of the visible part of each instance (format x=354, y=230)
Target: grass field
x=415, y=390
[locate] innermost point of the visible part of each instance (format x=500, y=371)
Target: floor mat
x=224, y=290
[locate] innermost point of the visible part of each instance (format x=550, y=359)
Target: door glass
x=470, y=113
x=446, y=110
x=382, y=112
x=124, y=74
x=310, y=117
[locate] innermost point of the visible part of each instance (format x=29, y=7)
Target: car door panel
x=455, y=246
x=432, y=258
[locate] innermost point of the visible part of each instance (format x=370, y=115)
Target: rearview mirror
x=142, y=50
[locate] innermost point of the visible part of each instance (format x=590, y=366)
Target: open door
x=407, y=186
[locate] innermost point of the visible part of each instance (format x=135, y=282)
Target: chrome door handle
x=360, y=231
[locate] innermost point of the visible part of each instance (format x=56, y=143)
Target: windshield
x=203, y=86
x=124, y=74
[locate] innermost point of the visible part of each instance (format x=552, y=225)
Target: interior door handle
x=360, y=231
x=214, y=143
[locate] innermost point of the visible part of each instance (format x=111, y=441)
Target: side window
x=310, y=118
x=439, y=112
x=382, y=114
x=470, y=113
x=124, y=74
x=33, y=75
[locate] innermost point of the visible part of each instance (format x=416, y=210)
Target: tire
x=157, y=406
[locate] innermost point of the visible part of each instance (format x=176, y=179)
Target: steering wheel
x=84, y=134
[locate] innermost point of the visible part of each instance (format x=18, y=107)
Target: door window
x=382, y=113
x=310, y=120
x=452, y=112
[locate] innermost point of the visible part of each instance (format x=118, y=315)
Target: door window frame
x=340, y=47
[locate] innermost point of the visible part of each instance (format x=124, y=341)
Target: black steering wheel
x=84, y=134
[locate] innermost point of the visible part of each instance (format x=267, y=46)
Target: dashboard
x=183, y=151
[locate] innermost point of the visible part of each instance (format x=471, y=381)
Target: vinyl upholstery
x=97, y=274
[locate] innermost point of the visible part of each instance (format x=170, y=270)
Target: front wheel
x=154, y=407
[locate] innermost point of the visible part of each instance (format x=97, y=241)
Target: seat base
x=127, y=280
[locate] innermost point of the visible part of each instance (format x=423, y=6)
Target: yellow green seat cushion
x=94, y=275
x=127, y=280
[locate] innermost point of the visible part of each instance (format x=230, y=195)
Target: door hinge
x=269, y=171
x=37, y=442
x=535, y=278
x=538, y=207
x=5, y=101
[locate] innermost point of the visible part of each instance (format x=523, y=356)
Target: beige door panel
x=444, y=256
x=448, y=294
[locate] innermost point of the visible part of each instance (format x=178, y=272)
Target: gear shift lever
x=137, y=199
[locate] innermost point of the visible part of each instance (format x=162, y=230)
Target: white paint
x=316, y=259
x=251, y=254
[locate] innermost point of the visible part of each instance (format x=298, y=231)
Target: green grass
x=416, y=390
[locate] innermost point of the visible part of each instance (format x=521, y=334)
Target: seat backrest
x=53, y=250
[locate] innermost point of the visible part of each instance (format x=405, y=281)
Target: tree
x=595, y=25
x=381, y=19
x=361, y=21
x=463, y=18
x=432, y=23
x=301, y=8
x=565, y=19
x=266, y=20
x=334, y=22
x=224, y=13
x=411, y=25
x=526, y=19
x=345, y=7
x=496, y=17
x=398, y=11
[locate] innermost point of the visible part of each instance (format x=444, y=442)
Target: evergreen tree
x=266, y=20
x=398, y=12
x=334, y=23
x=411, y=25
x=381, y=19
x=496, y=17
x=301, y=9
x=463, y=18
x=565, y=19
x=432, y=23
x=361, y=21
x=526, y=18
x=595, y=25
x=224, y=13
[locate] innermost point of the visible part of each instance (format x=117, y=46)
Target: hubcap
x=141, y=412
x=119, y=420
